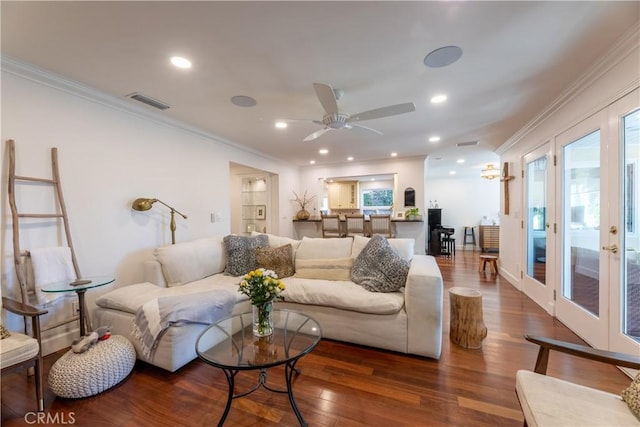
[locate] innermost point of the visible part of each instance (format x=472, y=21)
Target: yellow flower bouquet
x=262, y=286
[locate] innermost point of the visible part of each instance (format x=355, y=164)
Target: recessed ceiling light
x=443, y=56
x=312, y=162
x=243, y=101
x=437, y=99
x=394, y=154
x=452, y=172
x=323, y=151
x=373, y=179
x=180, y=62
x=281, y=125
x=350, y=158
x=434, y=139
x=460, y=161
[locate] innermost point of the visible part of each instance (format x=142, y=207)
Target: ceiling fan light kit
x=334, y=119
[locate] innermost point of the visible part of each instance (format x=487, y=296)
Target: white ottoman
x=104, y=365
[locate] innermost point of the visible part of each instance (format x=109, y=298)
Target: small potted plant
x=412, y=214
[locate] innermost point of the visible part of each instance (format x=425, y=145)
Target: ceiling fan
x=334, y=119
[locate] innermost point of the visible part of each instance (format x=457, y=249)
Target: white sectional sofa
x=408, y=320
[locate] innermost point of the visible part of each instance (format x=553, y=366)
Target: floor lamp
x=143, y=204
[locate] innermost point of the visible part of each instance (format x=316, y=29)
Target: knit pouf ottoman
x=104, y=365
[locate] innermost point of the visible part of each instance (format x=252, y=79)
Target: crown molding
x=56, y=81
x=623, y=48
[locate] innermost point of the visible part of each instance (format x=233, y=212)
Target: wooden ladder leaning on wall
x=21, y=257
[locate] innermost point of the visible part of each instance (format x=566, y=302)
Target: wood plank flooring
x=344, y=385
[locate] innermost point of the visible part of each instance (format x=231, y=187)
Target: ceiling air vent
x=148, y=100
x=466, y=144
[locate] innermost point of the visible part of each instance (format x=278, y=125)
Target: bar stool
x=469, y=233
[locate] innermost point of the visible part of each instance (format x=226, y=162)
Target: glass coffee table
x=80, y=287
x=231, y=346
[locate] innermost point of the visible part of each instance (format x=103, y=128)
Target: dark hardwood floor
x=343, y=385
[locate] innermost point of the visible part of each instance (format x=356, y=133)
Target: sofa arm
x=423, y=303
x=153, y=273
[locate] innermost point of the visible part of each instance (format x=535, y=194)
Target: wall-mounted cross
x=506, y=178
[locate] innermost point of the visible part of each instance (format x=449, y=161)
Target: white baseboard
x=59, y=341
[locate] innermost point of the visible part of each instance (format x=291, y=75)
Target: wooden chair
x=355, y=225
x=23, y=351
x=548, y=401
x=381, y=224
x=331, y=226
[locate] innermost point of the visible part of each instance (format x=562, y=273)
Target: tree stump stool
x=466, y=327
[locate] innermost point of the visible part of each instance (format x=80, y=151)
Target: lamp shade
x=489, y=172
x=142, y=204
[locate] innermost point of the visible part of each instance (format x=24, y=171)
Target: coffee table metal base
x=290, y=369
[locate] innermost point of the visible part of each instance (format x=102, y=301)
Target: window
x=378, y=199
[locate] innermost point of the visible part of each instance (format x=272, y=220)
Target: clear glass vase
x=262, y=321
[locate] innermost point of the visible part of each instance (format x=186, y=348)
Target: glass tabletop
x=93, y=282
x=230, y=343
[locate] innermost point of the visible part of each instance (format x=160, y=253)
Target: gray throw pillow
x=379, y=268
x=241, y=253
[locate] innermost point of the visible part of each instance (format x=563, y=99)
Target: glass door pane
x=536, y=219
x=581, y=222
x=631, y=236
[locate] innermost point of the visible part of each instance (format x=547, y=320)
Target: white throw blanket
x=51, y=265
x=158, y=314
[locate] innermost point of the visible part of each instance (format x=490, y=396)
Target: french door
x=597, y=200
x=538, y=230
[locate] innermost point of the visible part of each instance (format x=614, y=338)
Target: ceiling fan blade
x=316, y=134
x=357, y=126
x=327, y=97
x=391, y=110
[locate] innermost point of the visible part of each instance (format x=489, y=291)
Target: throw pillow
x=241, y=253
x=4, y=332
x=378, y=268
x=278, y=259
x=631, y=395
x=324, y=268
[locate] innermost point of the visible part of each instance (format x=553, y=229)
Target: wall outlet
x=75, y=308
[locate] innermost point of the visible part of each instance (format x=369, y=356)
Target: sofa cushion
x=344, y=295
x=277, y=241
x=319, y=248
x=130, y=298
x=188, y=261
x=279, y=259
x=324, y=268
x=404, y=247
x=379, y=268
x=241, y=253
x=631, y=395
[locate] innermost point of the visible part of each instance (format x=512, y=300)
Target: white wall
x=109, y=155
x=464, y=201
x=607, y=81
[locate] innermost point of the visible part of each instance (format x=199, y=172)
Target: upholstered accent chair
x=381, y=224
x=331, y=226
x=548, y=401
x=355, y=225
x=19, y=351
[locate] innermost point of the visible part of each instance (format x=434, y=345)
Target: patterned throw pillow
x=241, y=253
x=378, y=268
x=278, y=259
x=4, y=332
x=631, y=395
